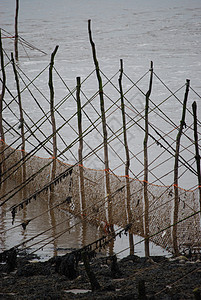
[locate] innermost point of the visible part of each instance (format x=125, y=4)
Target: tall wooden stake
x=21, y=126
x=2, y=137
x=127, y=165
x=146, y=198
x=53, y=119
x=16, y=29
x=53, y=171
x=102, y=107
x=176, y=191
x=80, y=149
x=197, y=154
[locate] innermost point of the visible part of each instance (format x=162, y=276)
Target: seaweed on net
x=25, y=223
x=13, y=212
x=68, y=199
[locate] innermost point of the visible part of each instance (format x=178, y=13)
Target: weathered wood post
x=127, y=165
x=146, y=198
x=91, y=275
x=21, y=126
x=102, y=107
x=53, y=118
x=53, y=170
x=16, y=30
x=2, y=137
x=51, y=87
x=197, y=154
x=176, y=171
x=80, y=149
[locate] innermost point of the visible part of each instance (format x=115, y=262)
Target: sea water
x=165, y=32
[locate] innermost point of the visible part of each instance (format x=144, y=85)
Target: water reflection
x=50, y=242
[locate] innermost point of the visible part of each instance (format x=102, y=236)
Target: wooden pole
x=80, y=149
x=53, y=119
x=53, y=170
x=2, y=137
x=197, y=154
x=102, y=107
x=176, y=165
x=16, y=30
x=91, y=275
x=21, y=126
x=127, y=165
x=146, y=198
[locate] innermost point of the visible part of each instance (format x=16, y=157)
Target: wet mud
x=23, y=277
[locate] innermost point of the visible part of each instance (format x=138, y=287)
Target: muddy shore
x=23, y=277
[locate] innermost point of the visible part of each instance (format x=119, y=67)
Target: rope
x=115, y=136
x=160, y=231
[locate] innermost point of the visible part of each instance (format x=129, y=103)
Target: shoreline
x=155, y=277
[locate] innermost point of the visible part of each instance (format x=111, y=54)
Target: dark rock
x=11, y=260
x=40, y=281
x=116, y=273
x=66, y=266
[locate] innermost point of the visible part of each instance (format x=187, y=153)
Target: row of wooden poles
x=176, y=166
x=105, y=143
